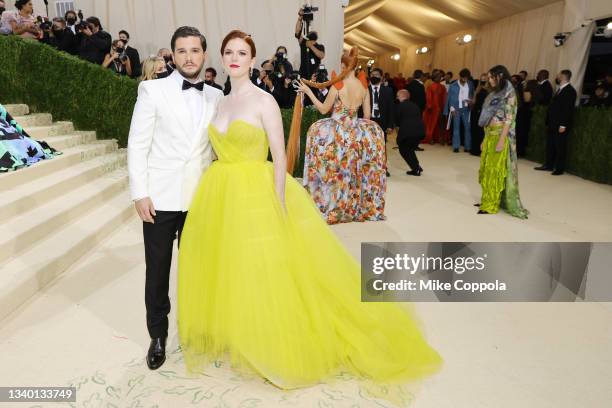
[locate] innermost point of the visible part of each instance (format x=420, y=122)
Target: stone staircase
x=54, y=212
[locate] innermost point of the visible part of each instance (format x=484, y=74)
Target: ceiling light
x=395, y=57
x=467, y=38
x=424, y=50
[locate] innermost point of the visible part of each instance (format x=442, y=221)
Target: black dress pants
x=556, y=146
x=159, y=240
x=407, y=149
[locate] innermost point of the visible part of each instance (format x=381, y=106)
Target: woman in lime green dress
x=263, y=282
x=498, y=175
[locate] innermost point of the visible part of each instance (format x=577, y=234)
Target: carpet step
x=17, y=109
x=34, y=119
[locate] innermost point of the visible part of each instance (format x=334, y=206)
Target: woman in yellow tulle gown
x=263, y=282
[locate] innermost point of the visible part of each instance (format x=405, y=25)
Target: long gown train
x=275, y=292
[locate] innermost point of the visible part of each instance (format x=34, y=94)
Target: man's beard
x=187, y=76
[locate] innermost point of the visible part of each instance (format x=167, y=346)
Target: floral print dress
x=345, y=167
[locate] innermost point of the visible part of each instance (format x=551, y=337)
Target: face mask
x=269, y=72
x=208, y=82
x=168, y=59
x=375, y=80
x=483, y=82
x=163, y=75
x=71, y=20
x=557, y=81
x=2, y=10
x=119, y=50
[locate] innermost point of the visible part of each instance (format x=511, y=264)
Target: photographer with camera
x=95, y=43
x=117, y=60
x=132, y=54
x=311, y=53
x=61, y=37
x=22, y=22
x=166, y=54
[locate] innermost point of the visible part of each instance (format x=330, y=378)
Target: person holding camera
x=117, y=60
x=311, y=53
x=95, y=42
x=22, y=22
x=61, y=37
x=166, y=54
x=132, y=54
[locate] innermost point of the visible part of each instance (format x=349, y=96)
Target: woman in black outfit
x=523, y=117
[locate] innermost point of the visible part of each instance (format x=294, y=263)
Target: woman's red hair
x=243, y=36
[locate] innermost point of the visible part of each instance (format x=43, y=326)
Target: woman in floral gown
x=345, y=163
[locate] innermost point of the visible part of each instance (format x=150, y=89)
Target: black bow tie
x=199, y=86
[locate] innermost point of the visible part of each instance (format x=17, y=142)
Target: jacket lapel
x=178, y=105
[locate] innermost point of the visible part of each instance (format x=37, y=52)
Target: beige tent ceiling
x=383, y=26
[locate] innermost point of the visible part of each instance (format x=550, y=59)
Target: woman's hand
x=500, y=144
x=305, y=89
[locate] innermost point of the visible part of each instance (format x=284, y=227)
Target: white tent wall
x=520, y=42
x=270, y=22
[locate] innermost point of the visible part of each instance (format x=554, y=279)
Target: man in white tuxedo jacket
x=168, y=150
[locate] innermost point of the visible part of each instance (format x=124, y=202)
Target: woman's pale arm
x=273, y=125
x=329, y=100
x=107, y=60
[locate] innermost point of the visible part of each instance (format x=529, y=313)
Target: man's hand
x=561, y=129
x=87, y=32
x=310, y=43
x=145, y=210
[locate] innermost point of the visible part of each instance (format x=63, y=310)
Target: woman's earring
x=250, y=71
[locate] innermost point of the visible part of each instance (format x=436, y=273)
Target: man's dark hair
x=465, y=73
x=70, y=12
x=378, y=70
x=524, y=72
x=95, y=21
x=418, y=74
x=544, y=73
x=184, y=32
x=125, y=32
x=20, y=3
x=502, y=75
x=567, y=73
x=449, y=73
x=211, y=70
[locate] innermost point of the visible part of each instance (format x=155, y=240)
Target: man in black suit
x=132, y=54
x=381, y=98
x=411, y=130
x=417, y=90
x=95, y=42
x=559, y=122
x=545, y=91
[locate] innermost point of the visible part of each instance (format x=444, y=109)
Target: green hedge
x=589, y=149
x=94, y=98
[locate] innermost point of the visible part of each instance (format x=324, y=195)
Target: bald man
x=411, y=130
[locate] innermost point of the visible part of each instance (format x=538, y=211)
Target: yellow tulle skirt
x=276, y=294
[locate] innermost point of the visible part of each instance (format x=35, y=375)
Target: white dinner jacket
x=166, y=154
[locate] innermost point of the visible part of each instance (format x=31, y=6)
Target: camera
x=322, y=75
x=45, y=25
x=122, y=55
x=559, y=39
x=308, y=12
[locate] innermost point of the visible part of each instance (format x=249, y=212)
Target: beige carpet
x=87, y=328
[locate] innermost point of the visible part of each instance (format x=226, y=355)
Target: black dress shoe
x=414, y=172
x=157, y=353
x=557, y=173
x=419, y=149
x=543, y=168
x=477, y=205
x=455, y=150
x=482, y=212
